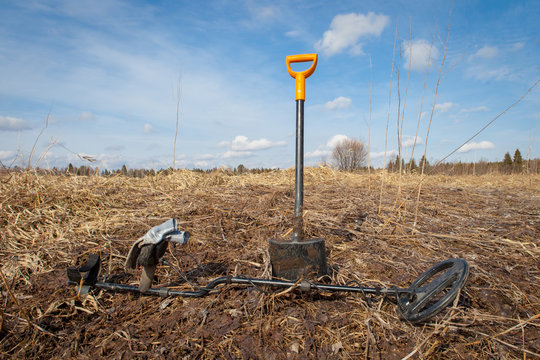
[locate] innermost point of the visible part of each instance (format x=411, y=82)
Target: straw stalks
x=178, y=99
x=369, y=125
x=431, y=115
x=48, y=223
x=29, y=166
x=388, y=117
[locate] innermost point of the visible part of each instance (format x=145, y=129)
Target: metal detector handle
x=301, y=77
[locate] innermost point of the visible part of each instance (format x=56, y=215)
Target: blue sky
x=109, y=74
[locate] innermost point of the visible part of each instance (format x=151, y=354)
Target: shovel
x=299, y=258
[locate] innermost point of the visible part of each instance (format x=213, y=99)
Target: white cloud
x=518, y=46
x=6, y=154
x=318, y=153
x=8, y=123
x=408, y=141
x=482, y=145
x=260, y=14
x=418, y=53
x=242, y=143
x=115, y=148
x=86, y=116
x=444, y=107
x=327, y=149
x=336, y=139
x=241, y=146
x=474, y=109
x=200, y=164
x=105, y=161
x=293, y=33
x=484, y=74
x=234, y=154
x=263, y=13
x=389, y=154
x=346, y=29
x=268, y=12
x=338, y=103
x=147, y=128
x=205, y=157
x=486, y=52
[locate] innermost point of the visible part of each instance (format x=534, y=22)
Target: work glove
x=147, y=250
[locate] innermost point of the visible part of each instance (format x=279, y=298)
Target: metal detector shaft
x=303, y=285
x=298, y=226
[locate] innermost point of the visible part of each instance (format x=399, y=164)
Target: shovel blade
x=298, y=259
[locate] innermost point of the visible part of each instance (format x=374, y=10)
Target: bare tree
x=349, y=155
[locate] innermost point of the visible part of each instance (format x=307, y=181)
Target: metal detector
x=428, y=295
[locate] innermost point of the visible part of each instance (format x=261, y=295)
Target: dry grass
x=50, y=222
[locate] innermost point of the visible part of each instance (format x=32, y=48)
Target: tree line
x=348, y=155
x=352, y=155
x=508, y=165
x=84, y=170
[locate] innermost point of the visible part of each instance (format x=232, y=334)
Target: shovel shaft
x=298, y=226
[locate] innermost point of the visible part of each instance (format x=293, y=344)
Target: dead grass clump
x=48, y=223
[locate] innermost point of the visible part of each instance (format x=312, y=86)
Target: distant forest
x=508, y=165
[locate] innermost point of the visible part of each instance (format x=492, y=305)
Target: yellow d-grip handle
x=301, y=76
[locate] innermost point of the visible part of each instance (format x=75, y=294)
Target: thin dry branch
x=431, y=114
x=388, y=117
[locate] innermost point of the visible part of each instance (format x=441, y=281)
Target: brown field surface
x=50, y=222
